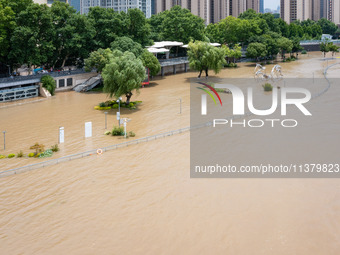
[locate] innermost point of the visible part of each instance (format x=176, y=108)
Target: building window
x=69, y=82
x=61, y=83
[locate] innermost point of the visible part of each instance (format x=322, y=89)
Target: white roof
x=166, y=44
x=212, y=44
x=157, y=50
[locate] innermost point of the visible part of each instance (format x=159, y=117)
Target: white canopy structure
x=158, y=50
x=163, y=47
x=212, y=44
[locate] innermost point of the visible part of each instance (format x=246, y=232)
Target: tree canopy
x=177, y=24
x=127, y=44
x=123, y=74
x=203, y=56
x=151, y=62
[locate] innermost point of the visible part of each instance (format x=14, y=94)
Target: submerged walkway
x=134, y=142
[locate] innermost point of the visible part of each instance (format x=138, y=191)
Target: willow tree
x=151, y=62
x=98, y=59
x=123, y=74
x=203, y=56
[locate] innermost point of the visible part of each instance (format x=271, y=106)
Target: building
x=261, y=6
x=211, y=11
x=333, y=11
x=292, y=10
x=75, y=4
x=117, y=5
x=48, y=2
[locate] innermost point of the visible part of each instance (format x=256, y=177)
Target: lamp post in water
x=4, y=139
x=118, y=114
x=180, y=105
x=105, y=120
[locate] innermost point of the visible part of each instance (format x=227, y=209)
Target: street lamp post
x=9, y=70
x=118, y=117
x=105, y=120
x=4, y=139
x=180, y=106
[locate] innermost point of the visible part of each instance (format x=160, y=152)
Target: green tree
x=325, y=47
x=31, y=41
x=138, y=28
x=180, y=24
x=232, y=53
x=7, y=25
x=296, y=46
x=16, y=5
x=156, y=22
x=285, y=45
x=127, y=44
x=248, y=14
x=123, y=74
x=98, y=60
x=270, y=40
x=108, y=25
x=151, y=62
x=203, y=56
x=72, y=34
x=48, y=83
x=256, y=50
x=333, y=48
x=328, y=27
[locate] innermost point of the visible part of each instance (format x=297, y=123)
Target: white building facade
x=118, y=5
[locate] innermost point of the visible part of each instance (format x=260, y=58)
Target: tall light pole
x=4, y=139
x=180, y=105
x=118, y=115
x=105, y=120
x=9, y=70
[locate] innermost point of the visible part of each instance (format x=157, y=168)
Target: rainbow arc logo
x=209, y=93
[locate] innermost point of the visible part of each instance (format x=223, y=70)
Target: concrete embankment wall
x=67, y=82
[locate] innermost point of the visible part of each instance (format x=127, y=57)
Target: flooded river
x=140, y=199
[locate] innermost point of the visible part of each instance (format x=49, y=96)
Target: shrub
x=2, y=156
x=115, y=106
x=132, y=134
x=107, y=133
x=102, y=104
x=38, y=148
x=45, y=154
x=230, y=65
x=55, y=148
x=102, y=108
x=37, y=155
x=20, y=154
x=268, y=87
x=118, y=131
x=304, y=52
x=11, y=155
x=31, y=155
x=48, y=83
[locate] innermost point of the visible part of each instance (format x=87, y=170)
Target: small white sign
x=61, y=135
x=88, y=129
x=118, y=115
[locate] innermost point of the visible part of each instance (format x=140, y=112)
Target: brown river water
x=140, y=199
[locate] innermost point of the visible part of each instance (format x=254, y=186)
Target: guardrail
x=91, y=152
x=306, y=42
x=38, y=76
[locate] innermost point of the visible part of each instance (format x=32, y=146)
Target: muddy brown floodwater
x=140, y=199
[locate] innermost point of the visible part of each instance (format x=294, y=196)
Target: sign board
x=61, y=135
x=88, y=129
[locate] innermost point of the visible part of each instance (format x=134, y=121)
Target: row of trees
x=37, y=35
x=327, y=46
